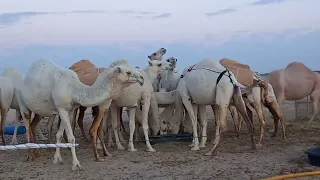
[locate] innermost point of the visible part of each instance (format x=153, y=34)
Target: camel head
x=158, y=54
x=172, y=62
x=159, y=66
x=127, y=75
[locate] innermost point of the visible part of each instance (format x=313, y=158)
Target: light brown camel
x=261, y=93
x=295, y=82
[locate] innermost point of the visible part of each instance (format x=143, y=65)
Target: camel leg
x=33, y=126
x=80, y=121
x=14, y=137
x=195, y=110
x=277, y=115
x=49, y=127
x=204, y=123
x=190, y=108
x=235, y=117
x=41, y=136
x=109, y=131
x=242, y=108
x=94, y=131
x=315, y=96
x=115, y=119
x=101, y=133
x=259, y=111
x=132, y=127
x=65, y=125
x=3, y=121
x=122, y=125
x=220, y=114
x=145, y=126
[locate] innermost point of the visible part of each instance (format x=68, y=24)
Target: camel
x=157, y=56
x=295, y=82
x=16, y=79
x=169, y=79
x=256, y=96
x=49, y=89
x=209, y=83
x=131, y=96
x=255, y=99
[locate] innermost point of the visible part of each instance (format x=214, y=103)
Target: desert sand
x=175, y=160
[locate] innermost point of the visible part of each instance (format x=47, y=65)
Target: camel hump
x=232, y=63
x=82, y=65
x=242, y=71
x=297, y=67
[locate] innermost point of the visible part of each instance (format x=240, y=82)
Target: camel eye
x=167, y=60
x=154, y=54
x=129, y=73
x=159, y=64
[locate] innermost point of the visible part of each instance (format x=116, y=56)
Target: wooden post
x=296, y=108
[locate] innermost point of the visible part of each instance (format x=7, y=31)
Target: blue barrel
x=9, y=130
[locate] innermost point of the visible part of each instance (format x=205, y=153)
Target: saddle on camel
x=88, y=74
x=244, y=74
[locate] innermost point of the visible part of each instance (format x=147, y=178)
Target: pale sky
x=265, y=34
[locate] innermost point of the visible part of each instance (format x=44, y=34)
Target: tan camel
x=261, y=93
x=295, y=82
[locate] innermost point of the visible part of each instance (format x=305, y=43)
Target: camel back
x=295, y=67
x=86, y=71
x=242, y=71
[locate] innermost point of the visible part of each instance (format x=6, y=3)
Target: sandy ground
x=174, y=160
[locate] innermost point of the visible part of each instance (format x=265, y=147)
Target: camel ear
x=176, y=60
x=150, y=64
x=118, y=70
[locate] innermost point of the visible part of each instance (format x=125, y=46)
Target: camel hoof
x=13, y=142
x=56, y=160
x=109, y=144
x=202, y=145
x=253, y=147
x=99, y=147
x=211, y=153
x=132, y=149
x=99, y=159
x=120, y=148
x=195, y=148
x=151, y=150
x=76, y=167
x=259, y=146
x=191, y=145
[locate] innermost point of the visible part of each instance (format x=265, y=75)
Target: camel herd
x=48, y=90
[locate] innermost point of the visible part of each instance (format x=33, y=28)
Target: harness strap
x=219, y=77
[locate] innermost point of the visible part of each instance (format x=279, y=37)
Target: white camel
x=169, y=78
x=49, y=89
x=157, y=56
x=132, y=96
x=16, y=78
x=209, y=83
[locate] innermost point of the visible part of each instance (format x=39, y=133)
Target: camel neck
x=104, y=88
x=151, y=74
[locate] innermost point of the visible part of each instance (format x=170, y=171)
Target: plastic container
x=9, y=130
x=314, y=156
x=186, y=137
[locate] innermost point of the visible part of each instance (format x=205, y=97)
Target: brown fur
x=242, y=71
